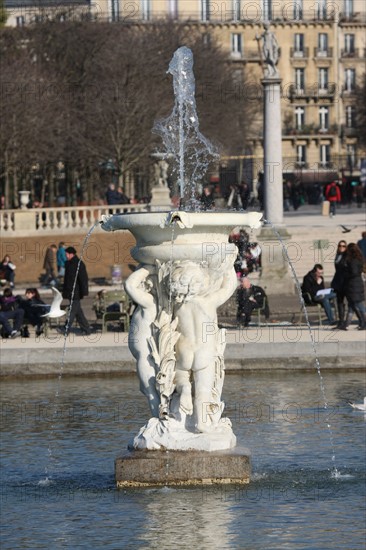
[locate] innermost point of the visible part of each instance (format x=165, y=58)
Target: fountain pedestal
x=149, y=468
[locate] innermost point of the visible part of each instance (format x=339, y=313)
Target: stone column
x=272, y=133
x=275, y=277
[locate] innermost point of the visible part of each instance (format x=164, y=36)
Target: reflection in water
x=292, y=501
x=171, y=510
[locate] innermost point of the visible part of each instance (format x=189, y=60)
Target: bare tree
x=94, y=92
x=361, y=112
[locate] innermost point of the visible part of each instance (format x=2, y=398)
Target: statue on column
x=270, y=51
x=161, y=173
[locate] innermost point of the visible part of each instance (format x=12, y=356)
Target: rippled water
x=57, y=478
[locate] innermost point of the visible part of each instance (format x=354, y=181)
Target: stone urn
x=24, y=199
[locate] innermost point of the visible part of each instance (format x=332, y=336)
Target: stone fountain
x=185, y=273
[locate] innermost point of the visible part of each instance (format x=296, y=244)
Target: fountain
x=185, y=273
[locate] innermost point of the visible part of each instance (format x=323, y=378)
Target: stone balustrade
x=69, y=219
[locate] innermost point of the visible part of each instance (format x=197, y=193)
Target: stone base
x=275, y=275
x=154, y=468
x=160, y=198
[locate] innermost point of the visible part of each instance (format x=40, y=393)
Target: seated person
x=34, y=308
x=7, y=271
x=313, y=283
x=250, y=297
x=9, y=310
x=99, y=305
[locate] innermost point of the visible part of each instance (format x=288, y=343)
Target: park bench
x=113, y=306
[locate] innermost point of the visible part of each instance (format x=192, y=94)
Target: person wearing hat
x=76, y=286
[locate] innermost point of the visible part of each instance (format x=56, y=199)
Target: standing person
x=338, y=280
x=122, y=197
x=244, y=192
x=207, y=198
x=250, y=297
x=7, y=270
x=362, y=244
x=112, y=195
x=287, y=195
x=354, y=285
x=312, y=284
x=50, y=265
x=61, y=259
x=333, y=195
x=76, y=286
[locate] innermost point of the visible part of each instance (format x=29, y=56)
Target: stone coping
x=258, y=348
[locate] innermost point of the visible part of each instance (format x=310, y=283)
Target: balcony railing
x=323, y=52
x=72, y=219
x=299, y=54
x=349, y=132
x=312, y=91
x=356, y=53
x=310, y=130
x=352, y=17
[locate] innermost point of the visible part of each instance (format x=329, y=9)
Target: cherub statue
x=197, y=292
x=139, y=286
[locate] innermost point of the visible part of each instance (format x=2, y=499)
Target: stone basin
x=197, y=236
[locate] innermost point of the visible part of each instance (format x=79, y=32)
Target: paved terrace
x=282, y=344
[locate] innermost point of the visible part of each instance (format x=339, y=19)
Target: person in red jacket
x=333, y=195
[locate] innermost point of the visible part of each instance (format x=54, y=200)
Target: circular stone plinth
x=149, y=468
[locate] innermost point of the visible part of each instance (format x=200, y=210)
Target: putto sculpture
x=185, y=272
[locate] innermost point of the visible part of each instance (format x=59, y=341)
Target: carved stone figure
x=270, y=52
x=139, y=286
x=197, y=292
x=186, y=272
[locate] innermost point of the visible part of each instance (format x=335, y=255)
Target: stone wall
x=101, y=252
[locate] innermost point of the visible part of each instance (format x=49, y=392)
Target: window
x=20, y=21
x=299, y=44
x=145, y=10
x=321, y=9
x=323, y=79
x=350, y=116
x=206, y=39
x=322, y=44
x=298, y=9
x=267, y=10
x=301, y=154
x=348, y=8
x=349, y=43
x=236, y=44
x=323, y=118
x=299, y=117
x=205, y=10
x=325, y=155
x=351, y=156
x=236, y=10
x=350, y=80
x=300, y=80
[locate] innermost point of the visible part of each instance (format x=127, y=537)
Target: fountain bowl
x=197, y=236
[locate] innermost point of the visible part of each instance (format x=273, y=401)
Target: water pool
x=57, y=478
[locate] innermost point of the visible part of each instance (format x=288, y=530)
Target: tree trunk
x=7, y=183
x=15, y=188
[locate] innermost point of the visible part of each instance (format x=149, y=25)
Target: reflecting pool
x=57, y=468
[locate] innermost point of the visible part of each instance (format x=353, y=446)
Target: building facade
x=323, y=58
